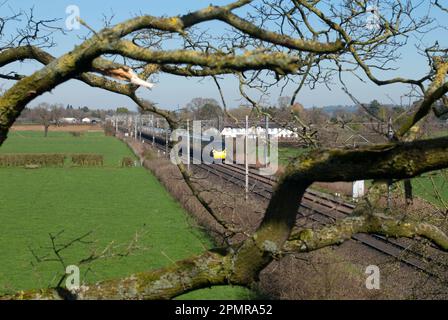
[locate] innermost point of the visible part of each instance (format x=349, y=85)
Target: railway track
x=321, y=208
x=324, y=209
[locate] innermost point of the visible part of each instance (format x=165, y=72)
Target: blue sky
x=171, y=91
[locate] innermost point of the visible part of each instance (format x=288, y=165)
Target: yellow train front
x=219, y=155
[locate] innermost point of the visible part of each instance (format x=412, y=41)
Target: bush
x=148, y=154
x=76, y=134
x=85, y=160
x=127, y=162
x=41, y=160
x=109, y=129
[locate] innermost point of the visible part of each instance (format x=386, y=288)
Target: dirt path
x=64, y=128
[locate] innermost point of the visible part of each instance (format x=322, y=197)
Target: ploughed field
x=110, y=203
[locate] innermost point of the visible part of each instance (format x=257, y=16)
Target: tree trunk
x=46, y=130
x=408, y=191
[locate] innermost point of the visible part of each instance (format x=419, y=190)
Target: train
x=216, y=150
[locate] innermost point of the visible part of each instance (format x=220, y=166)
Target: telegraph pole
x=128, y=126
x=390, y=135
x=153, y=131
x=140, y=123
x=246, y=158
x=135, y=127
x=166, y=140
x=266, y=147
x=188, y=145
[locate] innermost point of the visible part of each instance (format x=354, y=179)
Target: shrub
x=85, y=160
x=25, y=159
x=109, y=129
x=148, y=154
x=127, y=162
x=76, y=134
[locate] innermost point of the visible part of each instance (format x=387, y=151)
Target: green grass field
x=112, y=202
x=432, y=187
x=286, y=154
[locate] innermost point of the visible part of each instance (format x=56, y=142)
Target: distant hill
x=330, y=110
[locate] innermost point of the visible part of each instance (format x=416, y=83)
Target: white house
x=69, y=120
x=259, y=131
x=86, y=121
x=358, y=189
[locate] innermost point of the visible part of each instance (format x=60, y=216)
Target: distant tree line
x=209, y=109
x=47, y=114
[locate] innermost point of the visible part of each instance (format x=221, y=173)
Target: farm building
x=91, y=120
x=69, y=120
x=275, y=131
